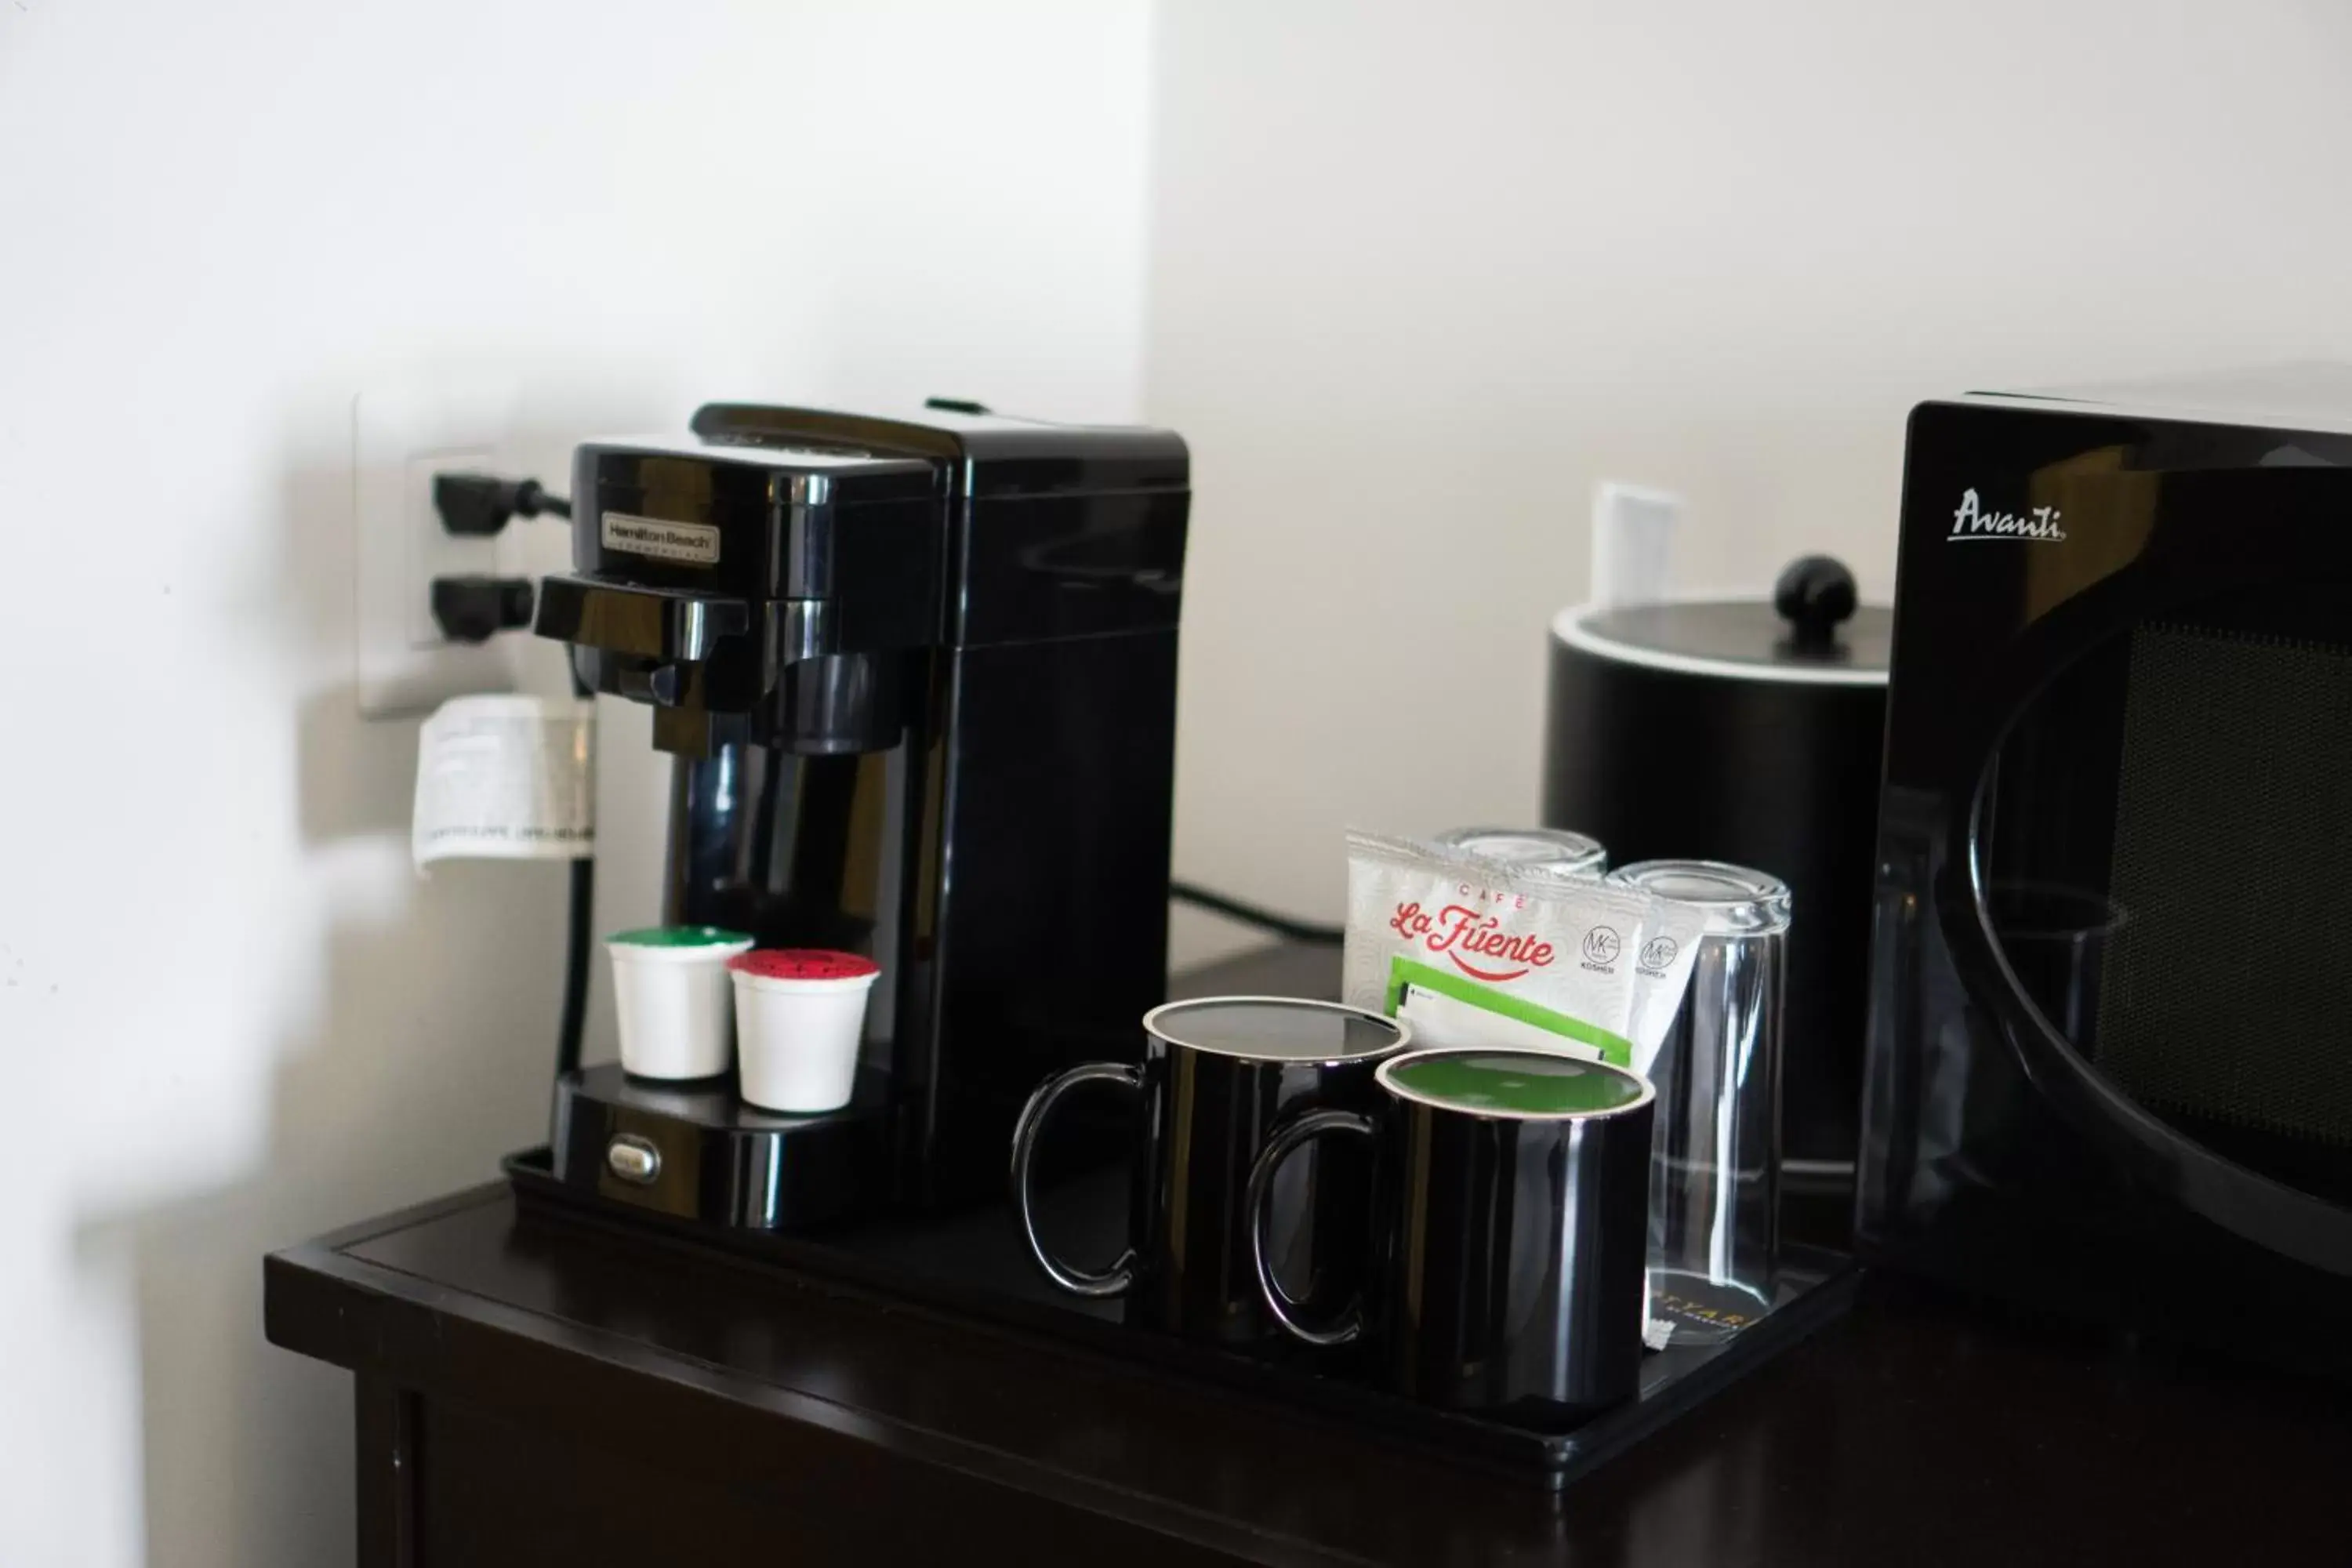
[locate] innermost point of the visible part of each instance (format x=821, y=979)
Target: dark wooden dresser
x=535, y=1392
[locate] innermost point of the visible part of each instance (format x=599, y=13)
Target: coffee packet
x=1473, y=951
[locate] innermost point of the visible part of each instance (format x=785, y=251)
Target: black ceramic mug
x=1511, y=1229
x=1217, y=1074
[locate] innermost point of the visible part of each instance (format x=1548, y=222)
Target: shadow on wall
x=425, y=1055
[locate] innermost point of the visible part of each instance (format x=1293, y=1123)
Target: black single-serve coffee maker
x=919, y=681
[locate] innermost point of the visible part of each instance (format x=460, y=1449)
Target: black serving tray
x=973, y=1268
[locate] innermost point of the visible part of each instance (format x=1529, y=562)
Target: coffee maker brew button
x=633, y=1159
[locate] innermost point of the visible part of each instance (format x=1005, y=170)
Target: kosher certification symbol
x=1658, y=952
x=1600, y=945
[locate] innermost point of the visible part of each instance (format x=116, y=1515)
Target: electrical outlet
x=401, y=438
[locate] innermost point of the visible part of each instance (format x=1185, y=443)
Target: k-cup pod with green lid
x=800, y=1012
x=670, y=991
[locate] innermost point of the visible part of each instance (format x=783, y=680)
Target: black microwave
x=2110, y=1051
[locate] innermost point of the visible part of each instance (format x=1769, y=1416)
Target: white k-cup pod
x=800, y=1014
x=670, y=991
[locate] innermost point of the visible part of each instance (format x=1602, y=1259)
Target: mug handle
x=1286, y=1142
x=1111, y=1281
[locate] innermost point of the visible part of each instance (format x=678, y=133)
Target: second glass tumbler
x=1716, y=1153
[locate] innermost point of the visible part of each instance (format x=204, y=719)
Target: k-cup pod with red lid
x=669, y=989
x=799, y=1016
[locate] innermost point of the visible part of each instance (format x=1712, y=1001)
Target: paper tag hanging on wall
x=506, y=778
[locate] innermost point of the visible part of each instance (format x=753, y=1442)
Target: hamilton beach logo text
x=1970, y=521
x=695, y=543
x=1461, y=932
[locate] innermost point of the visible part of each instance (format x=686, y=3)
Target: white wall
x=1421, y=273
x=1418, y=275
x=229, y=1017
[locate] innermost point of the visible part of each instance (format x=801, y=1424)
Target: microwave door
x=2148, y=855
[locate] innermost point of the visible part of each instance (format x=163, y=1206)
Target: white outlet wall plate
x=402, y=436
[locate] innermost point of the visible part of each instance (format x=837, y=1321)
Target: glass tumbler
x=1716, y=1150
x=1552, y=850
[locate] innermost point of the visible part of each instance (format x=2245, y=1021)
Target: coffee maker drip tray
x=697, y=1152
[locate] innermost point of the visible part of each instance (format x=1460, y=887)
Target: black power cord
x=575, y=967
x=1255, y=915
x=578, y=939
x=476, y=505
x=474, y=609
